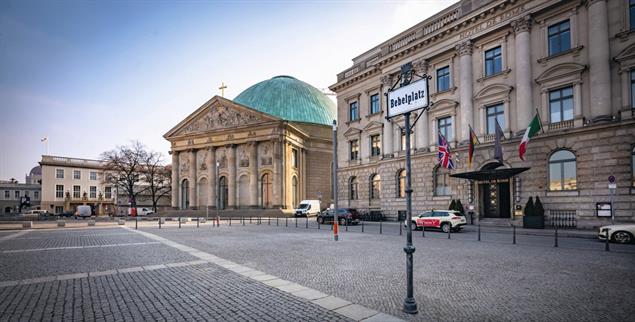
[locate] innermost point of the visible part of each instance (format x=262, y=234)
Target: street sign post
x=612, y=190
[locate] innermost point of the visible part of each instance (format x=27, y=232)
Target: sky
x=94, y=75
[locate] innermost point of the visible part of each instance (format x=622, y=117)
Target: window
x=17, y=194
x=443, y=79
x=36, y=195
x=354, y=144
x=632, y=13
x=108, y=192
x=76, y=192
x=93, y=192
x=401, y=184
x=375, y=145
x=633, y=87
x=442, y=182
x=59, y=191
x=374, y=104
x=354, y=111
x=59, y=209
x=375, y=186
x=77, y=175
x=352, y=188
x=561, y=104
x=294, y=158
x=493, y=61
x=93, y=175
x=495, y=113
x=445, y=127
x=562, y=174
x=59, y=173
x=7, y=194
x=559, y=37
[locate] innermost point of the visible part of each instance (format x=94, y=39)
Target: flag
x=445, y=158
x=473, y=142
x=498, y=147
x=44, y=139
x=532, y=129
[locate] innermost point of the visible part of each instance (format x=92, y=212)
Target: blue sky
x=92, y=75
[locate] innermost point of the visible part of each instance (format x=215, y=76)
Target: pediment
x=493, y=90
x=218, y=114
x=352, y=132
x=373, y=125
x=444, y=103
x=559, y=71
x=627, y=53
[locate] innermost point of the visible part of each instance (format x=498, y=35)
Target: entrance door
x=265, y=191
x=496, y=200
x=185, y=194
x=223, y=192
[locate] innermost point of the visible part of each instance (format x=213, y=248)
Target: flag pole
x=540, y=120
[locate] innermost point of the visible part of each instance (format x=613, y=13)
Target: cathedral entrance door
x=224, y=192
x=265, y=191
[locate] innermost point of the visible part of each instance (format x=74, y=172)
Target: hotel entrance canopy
x=490, y=174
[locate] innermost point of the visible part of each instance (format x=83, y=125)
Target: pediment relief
x=494, y=90
x=218, y=117
x=352, y=132
x=560, y=71
x=373, y=125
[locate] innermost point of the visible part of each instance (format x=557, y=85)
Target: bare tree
x=124, y=168
x=157, y=177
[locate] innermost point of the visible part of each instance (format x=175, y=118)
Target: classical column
x=231, y=180
x=387, y=137
x=524, y=98
x=465, y=89
x=210, y=162
x=421, y=132
x=599, y=69
x=175, y=179
x=193, y=181
x=277, y=176
x=253, y=174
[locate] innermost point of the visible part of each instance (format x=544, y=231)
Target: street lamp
x=335, y=227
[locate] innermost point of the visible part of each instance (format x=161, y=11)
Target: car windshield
x=303, y=205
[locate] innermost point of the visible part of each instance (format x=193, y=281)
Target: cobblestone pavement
x=455, y=280
x=139, y=282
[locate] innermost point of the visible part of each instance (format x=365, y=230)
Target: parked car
x=622, y=234
x=66, y=214
x=307, y=208
x=440, y=219
x=344, y=216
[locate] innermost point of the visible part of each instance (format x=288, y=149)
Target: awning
x=490, y=174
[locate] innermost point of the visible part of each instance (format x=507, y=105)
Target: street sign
x=611, y=179
x=408, y=98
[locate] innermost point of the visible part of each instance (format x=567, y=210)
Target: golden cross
x=222, y=89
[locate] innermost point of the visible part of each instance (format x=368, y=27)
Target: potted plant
x=534, y=214
x=459, y=207
x=452, y=205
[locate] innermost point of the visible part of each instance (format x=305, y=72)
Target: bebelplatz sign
x=408, y=98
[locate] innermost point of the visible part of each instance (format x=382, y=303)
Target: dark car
x=348, y=216
x=66, y=214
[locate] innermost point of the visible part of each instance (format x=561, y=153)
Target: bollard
x=286, y=221
x=230, y=221
x=318, y=225
x=606, y=245
x=307, y=223
x=479, y=230
x=259, y=220
x=179, y=222
x=92, y=223
x=121, y=222
x=555, y=244
x=296, y=222
x=136, y=222
x=159, y=223
x=250, y=220
x=423, y=231
x=400, y=228
x=27, y=224
x=380, y=226
x=269, y=221
x=346, y=224
x=198, y=221
x=243, y=221
x=218, y=221
x=277, y=224
x=450, y=232
x=362, y=226
x=514, y=234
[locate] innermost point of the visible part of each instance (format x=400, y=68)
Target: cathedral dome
x=290, y=99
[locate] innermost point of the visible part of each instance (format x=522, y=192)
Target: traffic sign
x=611, y=179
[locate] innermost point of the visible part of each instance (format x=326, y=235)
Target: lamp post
x=409, y=303
x=335, y=227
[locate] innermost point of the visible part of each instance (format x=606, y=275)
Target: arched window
x=442, y=181
x=401, y=184
x=352, y=188
x=375, y=186
x=294, y=191
x=562, y=174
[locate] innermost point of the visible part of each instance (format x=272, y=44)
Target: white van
x=307, y=208
x=84, y=211
x=141, y=211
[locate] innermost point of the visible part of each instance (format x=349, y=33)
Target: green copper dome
x=289, y=99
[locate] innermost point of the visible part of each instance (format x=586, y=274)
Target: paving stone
x=71, y=276
x=382, y=317
x=331, y=302
x=276, y=282
x=356, y=312
x=130, y=270
x=293, y=287
x=309, y=294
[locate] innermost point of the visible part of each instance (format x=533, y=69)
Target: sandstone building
x=268, y=148
x=571, y=61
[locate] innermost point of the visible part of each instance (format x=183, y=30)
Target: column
x=465, y=90
x=421, y=132
x=386, y=137
x=524, y=98
x=599, y=69
x=175, y=179
x=211, y=174
x=253, y=174
x=231, y=178
x=193, y=181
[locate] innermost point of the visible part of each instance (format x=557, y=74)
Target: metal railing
x=563, y=218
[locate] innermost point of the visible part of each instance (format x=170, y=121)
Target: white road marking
x=12, y=251
x=18, y=234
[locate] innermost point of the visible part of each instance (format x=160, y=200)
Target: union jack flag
x=445, y=158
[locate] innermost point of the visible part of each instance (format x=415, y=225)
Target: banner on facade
x=408, y=98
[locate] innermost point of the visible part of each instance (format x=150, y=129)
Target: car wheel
x=320, y=220
x=342, y=221
x=445, y=227
x=622, y=237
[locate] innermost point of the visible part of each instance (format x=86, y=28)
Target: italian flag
x=532, y=129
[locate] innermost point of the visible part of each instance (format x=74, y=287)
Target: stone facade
x=232, y=156
x=517, y=56
x=12, y=191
